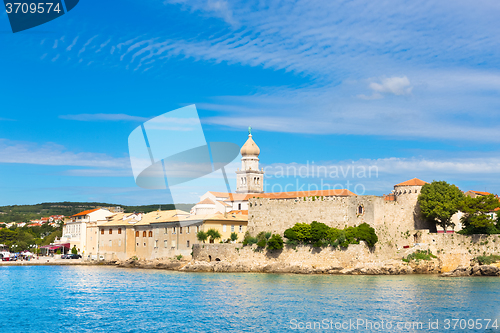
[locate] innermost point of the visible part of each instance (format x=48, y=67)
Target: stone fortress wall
x=276, y=215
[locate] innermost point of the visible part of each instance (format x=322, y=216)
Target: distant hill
x=22, y=213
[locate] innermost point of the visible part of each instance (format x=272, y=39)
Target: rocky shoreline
x=392, y=267
x=476, y=270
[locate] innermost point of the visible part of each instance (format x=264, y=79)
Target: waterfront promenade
x=46, y=261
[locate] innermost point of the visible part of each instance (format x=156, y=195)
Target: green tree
x=476, y=218
x=213, y=234
x=201, y=236
x=319, y=233
x=439, y=201
x=234, y=236
x=367, y=234
x=300, y=231
x=74, y=250
x=275, y=242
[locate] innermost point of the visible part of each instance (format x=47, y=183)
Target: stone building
x=163, y=233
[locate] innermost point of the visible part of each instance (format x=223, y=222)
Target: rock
x=198, y=267
x=459, y=271
x=487, y=270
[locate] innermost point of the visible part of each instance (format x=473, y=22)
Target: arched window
x=150, y=234
x=119, y=231
x=137, y=234
x=110, y=231
x=360, y=209
x=144, y=234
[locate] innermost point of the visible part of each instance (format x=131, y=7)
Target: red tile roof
x=86, y=212
x=300, y=194
x=206, y=201
x=480, y=193
x=413, y=182
x=243, y=212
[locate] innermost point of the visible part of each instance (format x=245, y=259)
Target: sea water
x=109, y=299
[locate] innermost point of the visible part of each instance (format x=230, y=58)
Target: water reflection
x=55, y=299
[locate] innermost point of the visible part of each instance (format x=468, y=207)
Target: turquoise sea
x=108, y=299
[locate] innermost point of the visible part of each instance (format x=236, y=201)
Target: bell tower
x=249, y=178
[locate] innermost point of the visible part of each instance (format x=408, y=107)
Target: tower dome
x=250, y=148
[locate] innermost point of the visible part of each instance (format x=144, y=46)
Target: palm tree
x=202, y=236
x=213, y=234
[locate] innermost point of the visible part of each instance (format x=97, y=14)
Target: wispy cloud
x=426, y=53
x=103, y=117
x=54, y=154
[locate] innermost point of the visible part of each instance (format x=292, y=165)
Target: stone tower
x=408, y=190
x=249, y=179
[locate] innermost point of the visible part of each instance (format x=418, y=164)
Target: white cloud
x=394, y=85
x=54, y=154
x=103, y=116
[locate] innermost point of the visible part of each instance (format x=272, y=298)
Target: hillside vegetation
x=24, y=213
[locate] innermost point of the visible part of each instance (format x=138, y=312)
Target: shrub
x=234, y=236
x=319, y=231
x=487, y=260
x=419, y=255
x=319, y=235
x=262, y=243
x=291, y=235
x=249, y=240
x=292, y=242
x=367, y=234
x=267, y=235
x=275, y=242
x=303, y=231
x=179, y=257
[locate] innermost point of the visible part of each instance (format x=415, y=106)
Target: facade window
x=173, y=231
x=119, y=231
x=150, y=234
x=232, y=227
x=144, y=234
x=110, y=243
x=224, y=228
x=180, y=230
x=102, y=231
x=165, y=243
x=137, y=244
x=156, y=244
x=173, y=243
x=144, y=244
x=119, y=242
x=197, y=229
x=110, y=231
x=360, y=209
x=188, y=230
x=187, y=243
x=241, y=228
x=166, y=229
x=137, y=234
x=239, y=206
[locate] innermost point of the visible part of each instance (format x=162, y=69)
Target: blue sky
x=409, y=87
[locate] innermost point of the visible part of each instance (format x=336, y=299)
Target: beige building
x=163, y=233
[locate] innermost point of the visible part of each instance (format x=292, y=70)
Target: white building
x=81, y=229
